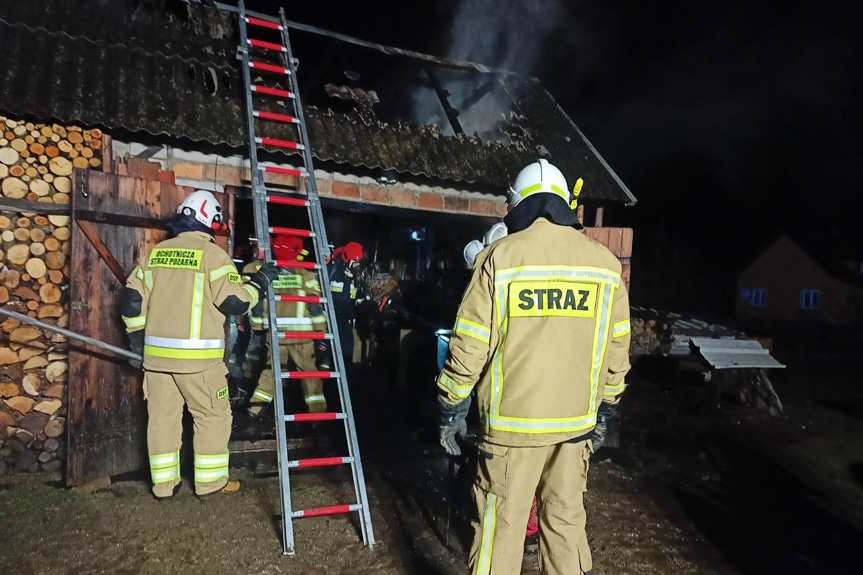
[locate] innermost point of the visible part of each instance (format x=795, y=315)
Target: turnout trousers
x=206, y=395
x=507, y=478
x=302, y=354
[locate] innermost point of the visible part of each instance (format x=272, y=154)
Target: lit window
x=810, y=299
x=758, y=298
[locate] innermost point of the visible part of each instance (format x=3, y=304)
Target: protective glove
x=607, y=417
x=136, y=345
x=267, y=274
x=452, y=424
x=323, y=357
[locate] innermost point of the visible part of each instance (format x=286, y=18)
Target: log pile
x=649, y=336
x=36, y=163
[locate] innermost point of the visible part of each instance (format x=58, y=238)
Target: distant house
x=801, y=280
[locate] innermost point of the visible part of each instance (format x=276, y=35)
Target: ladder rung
x=286, y=171
x=334, y=510
x=266, y=45
x=292, y=264
x=286, y=201
x=280, y=143
x=292, y=232
x=320, y=462
x=269, y=68
x=302, y=298
x=263, y=23
x=310, y=375
x=271, y=91
x=304, y=335
x=275, y=117
x=315, y=417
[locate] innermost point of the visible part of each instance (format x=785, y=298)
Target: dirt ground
x=720, y=493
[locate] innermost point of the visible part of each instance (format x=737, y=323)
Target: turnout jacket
x=345, y=290
x=290, y=316
x=179, y=297
x=542, y=333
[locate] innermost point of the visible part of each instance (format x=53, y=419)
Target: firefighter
x=474, y=247
x=292, y=316
x=542, y=333
x=344, y=269
x=174, y=306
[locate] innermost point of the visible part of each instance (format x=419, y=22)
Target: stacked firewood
x=649, y=335
x=36, y=163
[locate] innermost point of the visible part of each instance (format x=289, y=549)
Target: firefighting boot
x=172, y=495
x=231, y=487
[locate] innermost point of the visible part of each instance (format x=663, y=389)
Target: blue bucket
x=443, y=336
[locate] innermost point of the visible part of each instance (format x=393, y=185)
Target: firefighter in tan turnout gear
x=542, y=335
x=293, y=316
x=174, y=307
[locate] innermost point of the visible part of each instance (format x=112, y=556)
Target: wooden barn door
x=107, y=413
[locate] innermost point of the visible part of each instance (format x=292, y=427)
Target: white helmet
x=471, y=250
x=203, y=206
x=538, y=178
x=494, y=233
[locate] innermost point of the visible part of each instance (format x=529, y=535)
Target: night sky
x=729, y=121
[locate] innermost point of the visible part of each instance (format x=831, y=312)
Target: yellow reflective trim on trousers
x=172, y=353
x=621, y=328
x=222, y=271
x=148, y=279
x=197, y=307
x=315, y=399
x=472, y=329
x=319, y=319
x=460, y=391
x=138, y=321
x=207, y=461
x=165, y=467
x=166, y=475
x=254, y=293
x=489, y=523
x=164, y=459
x=210, y=474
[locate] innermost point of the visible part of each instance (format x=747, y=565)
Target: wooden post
x=599, y=214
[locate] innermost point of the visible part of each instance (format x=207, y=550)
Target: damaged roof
x=168, y=68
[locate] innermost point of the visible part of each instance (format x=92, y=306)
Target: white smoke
x=505, y=34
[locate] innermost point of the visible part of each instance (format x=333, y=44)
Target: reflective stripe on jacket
x=181, y=283
x=291, y=316
x=543, y=335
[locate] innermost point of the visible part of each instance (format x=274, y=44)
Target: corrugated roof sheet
x=734, y=353
x=134, y=65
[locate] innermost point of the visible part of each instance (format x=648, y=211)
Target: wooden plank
x=106, y=413
x=107, y=154
x=103, y=251
x=597, y=222
x=626, y=243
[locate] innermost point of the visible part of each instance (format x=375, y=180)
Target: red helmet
x=289, y=248
x=351, y=251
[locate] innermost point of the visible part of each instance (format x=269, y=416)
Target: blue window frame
x=758, y=298
x=810, y=298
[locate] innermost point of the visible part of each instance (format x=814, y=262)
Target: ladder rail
x=322, y=252
x=261, y=225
